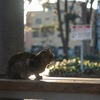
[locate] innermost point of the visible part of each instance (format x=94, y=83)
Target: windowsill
x=53, y=84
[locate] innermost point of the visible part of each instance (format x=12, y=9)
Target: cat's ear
x=48, y=49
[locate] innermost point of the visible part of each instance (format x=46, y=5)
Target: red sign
x=81, y=32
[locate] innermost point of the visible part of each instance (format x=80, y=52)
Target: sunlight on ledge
x=45, y=73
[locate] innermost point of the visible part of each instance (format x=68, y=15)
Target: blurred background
x=44, y=28
x=47, y=23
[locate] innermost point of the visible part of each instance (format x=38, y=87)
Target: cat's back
x=23, y=56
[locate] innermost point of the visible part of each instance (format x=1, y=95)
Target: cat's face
x=47, y=54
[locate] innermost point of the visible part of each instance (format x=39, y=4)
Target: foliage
x=46, y=4
x=72, y=68
x=92, y=57
x=57, y=26
x=55, y=12
x=27, y=29
x=70, y=16
x=30, y=14
x=47, y=28
x=29, y=1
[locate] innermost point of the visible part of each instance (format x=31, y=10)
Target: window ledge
x=53, y=84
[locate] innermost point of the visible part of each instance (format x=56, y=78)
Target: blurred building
x=98, y=28
x=47, y=17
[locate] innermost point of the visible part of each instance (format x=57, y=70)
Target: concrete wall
x=11, y=30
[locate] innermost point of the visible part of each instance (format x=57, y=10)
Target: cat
x=22, y=65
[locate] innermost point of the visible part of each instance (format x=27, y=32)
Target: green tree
x=68, y=16
x=47, y=29
x=26, y=27
x=29, y=1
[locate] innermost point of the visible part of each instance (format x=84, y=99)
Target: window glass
x=59, y=35
x=62, y=11
x=43, y=34
x=38, y=21
x=47, y=19
x=35, y=34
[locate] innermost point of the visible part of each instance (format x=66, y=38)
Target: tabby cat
x=24, y=64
